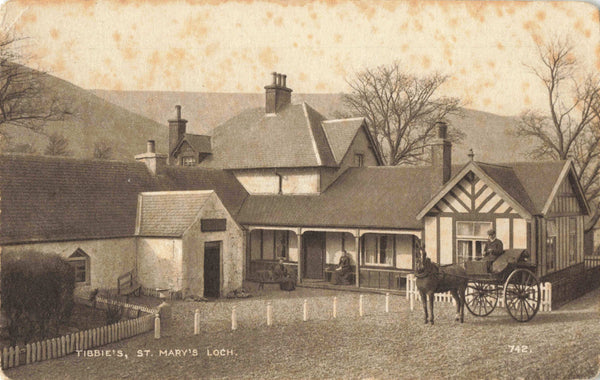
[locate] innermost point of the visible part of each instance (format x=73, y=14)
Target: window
x=359, y=160
x=551, y=233
x=378, y=249
x=188, y=161
x=80, y=261
x=470, y=239
x=572, y=240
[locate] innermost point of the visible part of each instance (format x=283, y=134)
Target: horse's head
x=421, y=259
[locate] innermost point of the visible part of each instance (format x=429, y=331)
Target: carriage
x=511, y=275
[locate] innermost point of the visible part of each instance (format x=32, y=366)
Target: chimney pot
x=277, y=95
x=178, y=108
x=151, y=148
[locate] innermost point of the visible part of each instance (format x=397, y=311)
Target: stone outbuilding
x=188, y=242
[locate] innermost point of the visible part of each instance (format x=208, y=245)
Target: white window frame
x=77, y=258
x=188, y=161
x=390, y=251
x=472, y=239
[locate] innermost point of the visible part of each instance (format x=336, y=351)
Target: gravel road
x=564, y=344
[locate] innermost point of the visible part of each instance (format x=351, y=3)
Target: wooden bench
x=126, y=285
x=266, y=276
x=330, y=269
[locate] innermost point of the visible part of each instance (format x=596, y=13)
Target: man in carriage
x=493, y=248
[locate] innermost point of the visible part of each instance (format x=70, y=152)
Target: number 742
x=519, y=349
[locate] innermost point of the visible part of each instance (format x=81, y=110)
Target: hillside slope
x=92, y=119
x=491, y=136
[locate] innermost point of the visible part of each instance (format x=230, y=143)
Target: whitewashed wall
x=109, y=258
x=266, y=181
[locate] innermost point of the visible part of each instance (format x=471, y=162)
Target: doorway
x=314, y=254
x=212, y=269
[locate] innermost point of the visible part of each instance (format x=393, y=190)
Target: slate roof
x=340, y=134
x=199, y=143
x=538, y=179
x=507, y=179
x=52, y=199
x=293, y=137
x=227, y=187
x=46, y=198
x=374, y=197
x=391, y=197
x=169, y=213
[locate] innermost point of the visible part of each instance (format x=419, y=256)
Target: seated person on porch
x=343, y=271
x=280, y=273
x=493, y=248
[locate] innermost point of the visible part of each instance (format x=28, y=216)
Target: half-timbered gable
x=535, y=206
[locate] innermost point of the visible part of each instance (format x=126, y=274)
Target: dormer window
x=80, y=261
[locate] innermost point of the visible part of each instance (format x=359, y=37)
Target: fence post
x=11, y=357
x=28, y=353
x=233, y=319
x=305, y=311
x=197, y=322
x=38, y=350
x=156, y=326
x=334, y=307
x=17, y=356
x=44, y=350
x=387, y=302
x=269, y=314
x=360, y=306
x=53, y=345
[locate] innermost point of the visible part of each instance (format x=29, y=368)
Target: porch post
x=300, y=255
x=248, y=253
x=357, y=245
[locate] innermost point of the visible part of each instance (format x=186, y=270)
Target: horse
x=431, y=278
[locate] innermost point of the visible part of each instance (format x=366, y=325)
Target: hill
x=92, y=119
x=491, y=136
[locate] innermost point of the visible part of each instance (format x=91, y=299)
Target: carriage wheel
x=522, y=295
x=481, y=298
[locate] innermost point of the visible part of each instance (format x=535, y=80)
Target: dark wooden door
x=212, y=269
x=314, y=254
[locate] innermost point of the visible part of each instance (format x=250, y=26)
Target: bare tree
x=570, y=127
x=58, y=145
x=401, y=110
x=25, y=99
x=102, y=150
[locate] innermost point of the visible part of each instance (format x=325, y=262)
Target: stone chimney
x=441, y=157
x=155, y=162
x=277, y=95
x=176, y=132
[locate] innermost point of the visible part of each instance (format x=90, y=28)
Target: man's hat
x=491, y=231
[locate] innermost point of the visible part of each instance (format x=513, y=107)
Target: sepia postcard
x=275, y=189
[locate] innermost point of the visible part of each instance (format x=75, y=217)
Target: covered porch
x=380, y=258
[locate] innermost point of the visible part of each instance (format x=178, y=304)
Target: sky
x=233, y=46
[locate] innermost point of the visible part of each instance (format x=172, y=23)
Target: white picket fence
x=128, y=306
x=81, y=340
x=412, y=294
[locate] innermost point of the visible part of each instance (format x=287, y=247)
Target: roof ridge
x=493, y=164
x=41, y=157
x=344, y=119
x=305, y=107
x=177, y=192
